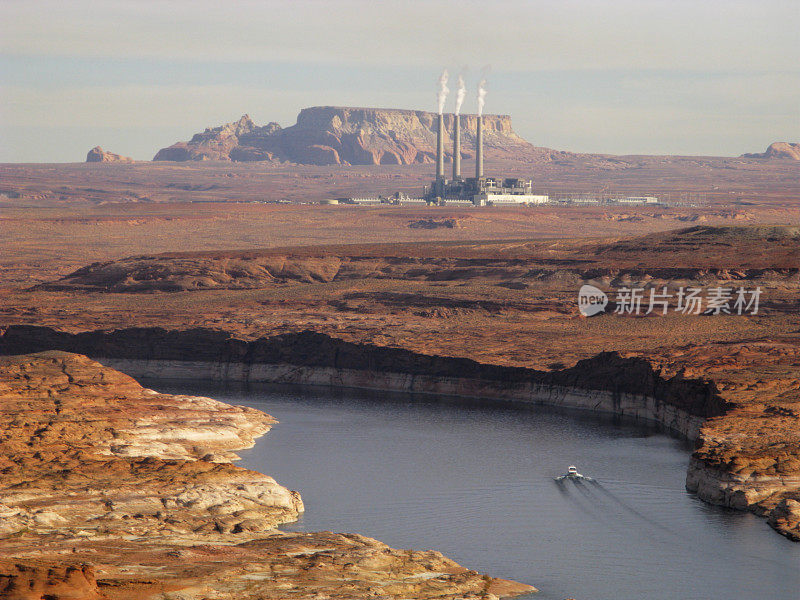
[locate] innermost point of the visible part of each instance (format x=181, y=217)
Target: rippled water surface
x=476, y=483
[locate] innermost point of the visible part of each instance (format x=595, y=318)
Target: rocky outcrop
x=97, y=154
x=750, y=460
x=327, y=135
x=241, y=140
x=164, y=458
x=790, y=150
x=785, y=517
x=98, y=469
x=174, y=274
x=435, y=224
x=23, y=582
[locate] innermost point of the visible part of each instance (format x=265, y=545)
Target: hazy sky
x=644, y=76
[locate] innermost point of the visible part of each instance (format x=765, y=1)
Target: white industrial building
x=490, y=199
x=637, y=200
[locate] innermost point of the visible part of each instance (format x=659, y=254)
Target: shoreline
x=730, y=466
x=636, y=407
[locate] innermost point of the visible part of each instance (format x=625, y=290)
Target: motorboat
x=572, y=473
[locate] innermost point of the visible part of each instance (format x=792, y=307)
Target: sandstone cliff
x=607, y=371
x=327, y=135
x=790, y=150
x=97, y=154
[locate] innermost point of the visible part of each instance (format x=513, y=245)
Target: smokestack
x=441, y=97
x=460, y=95
x=440, y=148
x=479, y=148
x=479, y=135
x=457, y=146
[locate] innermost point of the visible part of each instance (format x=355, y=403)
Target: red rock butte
x=330, y=135
x=97, y=154
x=790, y=150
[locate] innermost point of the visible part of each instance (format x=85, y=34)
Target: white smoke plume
x=481, y=96
x=443, y=90
x=460, y=94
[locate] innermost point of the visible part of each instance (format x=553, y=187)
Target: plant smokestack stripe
x=456, y=146
x=440, y=148
x=479, y=148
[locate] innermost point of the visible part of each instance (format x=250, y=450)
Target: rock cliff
x=97, y=469
x=240, y=140
x=327, y=135
x=606, y=372
x=97, y=154
x=610, y=383
x=790, y=150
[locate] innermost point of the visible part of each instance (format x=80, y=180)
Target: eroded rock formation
x=97, y=469
x=25, y=582
x=239, y=140
x=74, y=426
x=790, y=150
x=328, y=135
x=579, y=262
x=97, y=154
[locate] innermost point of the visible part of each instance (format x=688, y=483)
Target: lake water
x=476, y=483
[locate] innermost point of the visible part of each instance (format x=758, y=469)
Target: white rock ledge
x=634, y=406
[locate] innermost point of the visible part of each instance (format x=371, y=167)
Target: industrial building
x=478, y=190
x=636, y=200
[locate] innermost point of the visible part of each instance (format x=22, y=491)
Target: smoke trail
x=443, y=90
x=462, y=91
x=481, y=96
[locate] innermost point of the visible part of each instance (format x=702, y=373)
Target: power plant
x=481, y=190
x=478, y=190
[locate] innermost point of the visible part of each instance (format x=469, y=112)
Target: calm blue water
x=476, y=483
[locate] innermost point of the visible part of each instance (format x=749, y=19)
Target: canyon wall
x=628, y=387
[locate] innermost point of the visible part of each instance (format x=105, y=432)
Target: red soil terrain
x=156, y=252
